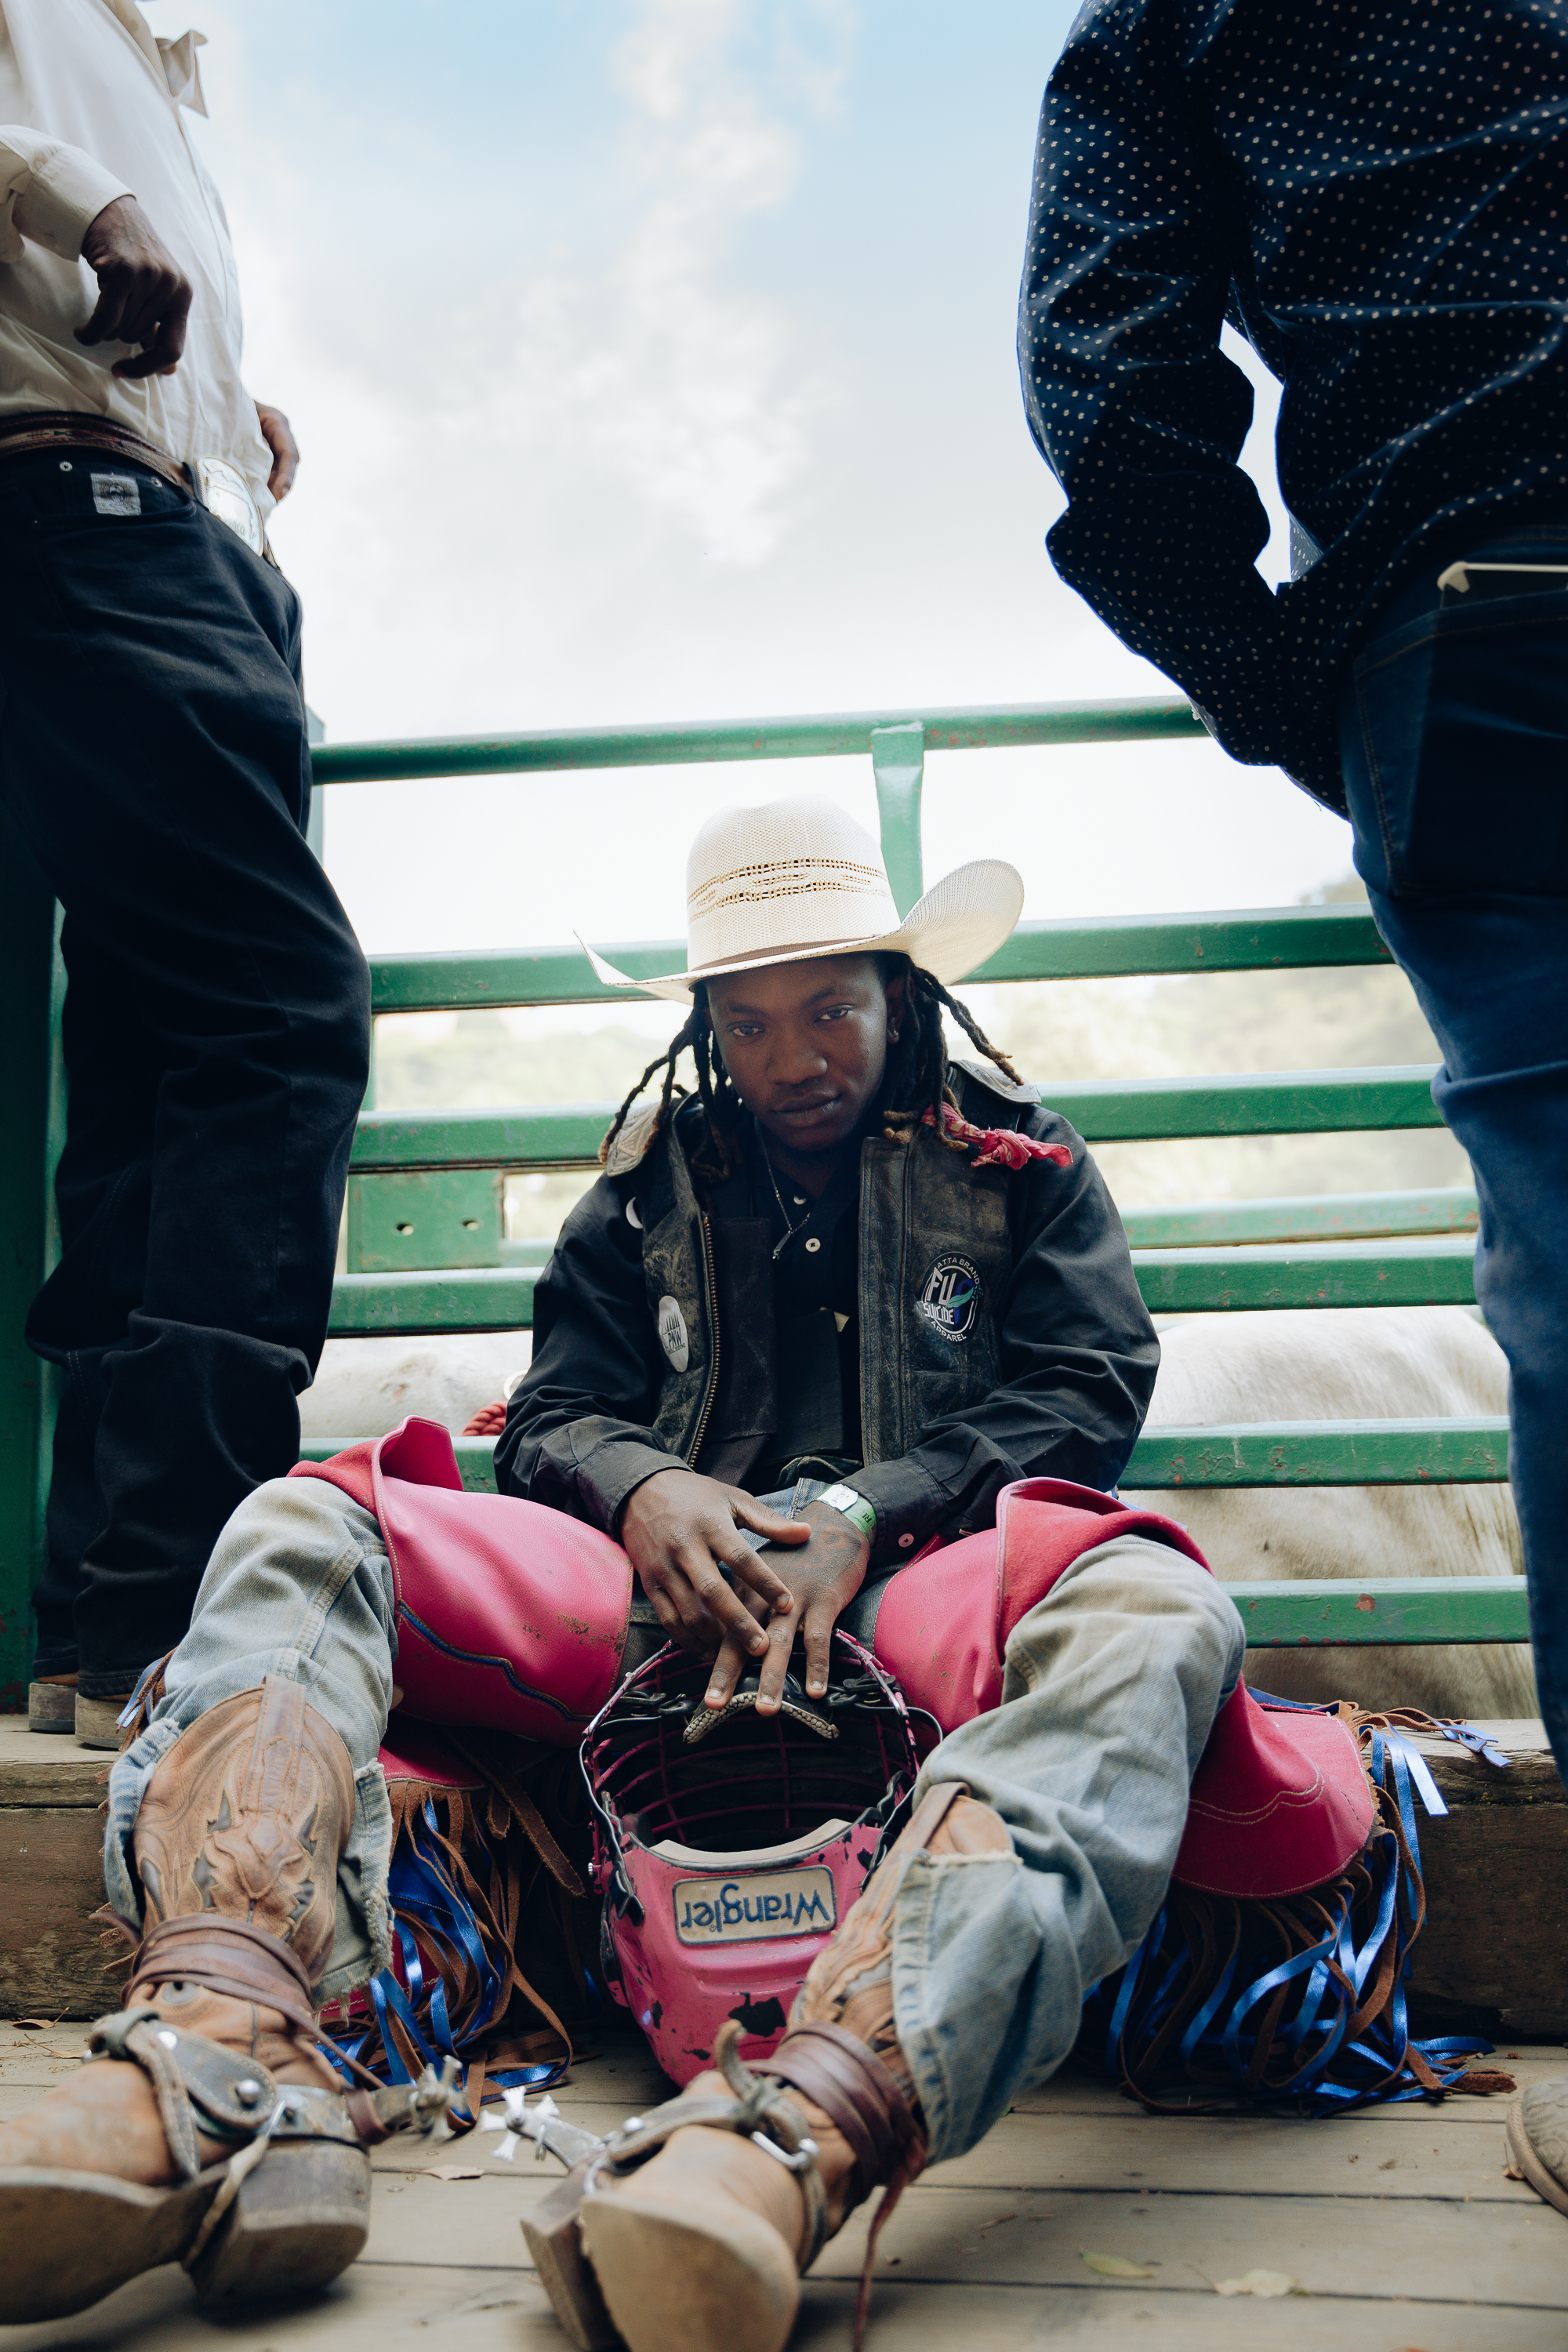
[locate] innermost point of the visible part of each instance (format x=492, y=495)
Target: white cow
x=364, y=1387
x=1382, y=1363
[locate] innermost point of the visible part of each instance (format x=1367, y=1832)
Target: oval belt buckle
x=223, y=489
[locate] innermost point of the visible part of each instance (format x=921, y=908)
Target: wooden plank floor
x=1399, y=2226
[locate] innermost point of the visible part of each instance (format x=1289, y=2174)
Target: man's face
x=806, y=1044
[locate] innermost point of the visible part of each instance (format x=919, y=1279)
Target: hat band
x=796, y=951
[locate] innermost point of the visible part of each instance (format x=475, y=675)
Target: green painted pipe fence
x=425, y=1212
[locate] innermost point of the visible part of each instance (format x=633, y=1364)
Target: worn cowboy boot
x=225, y=2143
x=1538, y=2139
x=703, y=2243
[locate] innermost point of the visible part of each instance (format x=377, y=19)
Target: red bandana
x=1000, y=1146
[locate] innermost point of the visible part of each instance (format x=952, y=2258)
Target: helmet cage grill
x=753, y=1782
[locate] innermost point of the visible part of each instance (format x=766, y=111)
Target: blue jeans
x=1112, y=1683
x=1453, y=735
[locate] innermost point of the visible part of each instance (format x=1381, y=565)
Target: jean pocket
x=1453, y=735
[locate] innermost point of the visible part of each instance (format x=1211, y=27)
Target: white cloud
x=652, y=441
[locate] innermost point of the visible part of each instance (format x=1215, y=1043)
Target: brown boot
x=703, y=2245
x=225, y=2142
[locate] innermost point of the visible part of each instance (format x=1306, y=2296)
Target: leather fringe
x=480, y=1883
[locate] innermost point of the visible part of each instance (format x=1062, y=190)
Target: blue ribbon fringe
x=1124, y=2015
x=421, y=1894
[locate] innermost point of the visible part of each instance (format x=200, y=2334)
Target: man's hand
x=143, y=295
x=824, y=1579
x=279, y=435
x=679, y=1529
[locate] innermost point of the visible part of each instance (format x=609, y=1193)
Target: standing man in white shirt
x=153, y=756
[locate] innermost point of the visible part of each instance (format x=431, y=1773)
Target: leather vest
x=935, y=1256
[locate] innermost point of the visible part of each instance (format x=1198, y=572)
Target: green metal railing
x=425, y=1220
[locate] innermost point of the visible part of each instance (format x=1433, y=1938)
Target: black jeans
x=152, y=755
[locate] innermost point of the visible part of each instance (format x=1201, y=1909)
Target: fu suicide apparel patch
x=949, y=1298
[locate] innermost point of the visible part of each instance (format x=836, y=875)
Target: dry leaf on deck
x=451, y=2173
x=1265, y=2284
x=35, y=2024
x=1117, y=2265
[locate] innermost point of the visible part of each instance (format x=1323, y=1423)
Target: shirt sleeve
x=49, y=193
x=578, y=1432
x=1078, y=1356
x=1136, y=233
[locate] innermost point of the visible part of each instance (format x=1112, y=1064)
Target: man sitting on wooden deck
x=874, y=1310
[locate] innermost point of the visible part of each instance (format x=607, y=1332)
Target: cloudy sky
x=652, y=359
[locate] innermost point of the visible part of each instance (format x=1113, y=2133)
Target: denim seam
x=346, y=1563
x=911, y=1920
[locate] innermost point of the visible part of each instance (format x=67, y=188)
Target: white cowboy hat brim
x=961, y=921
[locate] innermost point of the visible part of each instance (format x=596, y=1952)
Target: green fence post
x=32, y=1089
x=898, y=762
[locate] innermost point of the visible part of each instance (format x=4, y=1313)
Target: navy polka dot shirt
x=1375, y=193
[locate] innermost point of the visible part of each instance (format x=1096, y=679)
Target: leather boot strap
x=227, y=1956
x=838, y=2073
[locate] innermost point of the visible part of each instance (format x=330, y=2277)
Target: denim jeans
x=1111, y=1685
x=1454, y=734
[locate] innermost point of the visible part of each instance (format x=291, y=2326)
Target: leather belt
x=211, y=482
x=62, y=429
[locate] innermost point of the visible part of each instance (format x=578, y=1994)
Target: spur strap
x=229, y=1957
x=837, y=2073
x=757, y=2111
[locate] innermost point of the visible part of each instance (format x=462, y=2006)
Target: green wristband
x=860, y=1513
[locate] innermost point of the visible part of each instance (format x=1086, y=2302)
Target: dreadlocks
x=916, y=1074
x=717, y=1155
x=917, y=1067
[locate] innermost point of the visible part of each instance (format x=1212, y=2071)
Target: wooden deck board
x=1398, y=2223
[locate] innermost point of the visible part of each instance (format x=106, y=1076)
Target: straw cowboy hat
x=798, y=879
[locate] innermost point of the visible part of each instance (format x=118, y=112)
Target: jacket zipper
x=712, y=1280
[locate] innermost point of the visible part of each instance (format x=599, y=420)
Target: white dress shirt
x=90, y=110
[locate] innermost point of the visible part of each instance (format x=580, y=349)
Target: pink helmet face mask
x=729, y=1847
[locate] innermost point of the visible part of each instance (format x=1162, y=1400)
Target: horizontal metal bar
x=1265, y=938
x=1273, y=1102
x=1437, y=1273
x=473, y=1298
x=969, y=728
x=1174, y=1282
x=1209, y=1225
x=1280, y=1102
x=1313, y=1216
x=1323, y=1453
x=552, y=1135
x=1383, y=1608
x=1259, y=940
